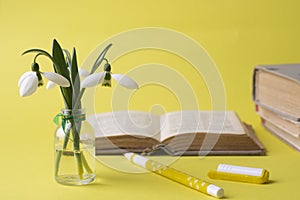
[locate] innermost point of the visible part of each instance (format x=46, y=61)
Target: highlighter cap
x=240, y=170
x=215, y=191
x=240, y=173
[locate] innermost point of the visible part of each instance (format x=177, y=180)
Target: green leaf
x=61, y=68
x=68, y=57
x=75, y=77
x=100, y=59
x=59, y=58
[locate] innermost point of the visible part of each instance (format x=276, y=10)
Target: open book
x=182, y=133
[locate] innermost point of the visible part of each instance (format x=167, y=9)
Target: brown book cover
x=181, y=133
x=277, y=88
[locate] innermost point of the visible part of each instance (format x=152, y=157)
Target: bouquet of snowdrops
x=68, y=75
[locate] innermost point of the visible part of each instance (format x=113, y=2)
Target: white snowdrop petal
x=50, y=85
x=24, y=76
x=92, y=80
x=60, y=133
x=56, y=78
x=125, y=81
x=29, y=85
x=83, y=72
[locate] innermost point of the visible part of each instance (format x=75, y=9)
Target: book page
x=218, y=122
x=118, y=123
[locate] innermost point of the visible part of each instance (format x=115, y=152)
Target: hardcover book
x=282, y=134
x=277, y=88
x=289, y=126
x=188, y=132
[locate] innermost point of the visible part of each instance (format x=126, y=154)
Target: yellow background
x=237, y=35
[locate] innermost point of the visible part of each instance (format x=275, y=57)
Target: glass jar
x=74, y=148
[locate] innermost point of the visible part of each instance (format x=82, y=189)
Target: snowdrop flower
x=82, y=73
x=50, y=85
x=105, y=78
x=29, y=81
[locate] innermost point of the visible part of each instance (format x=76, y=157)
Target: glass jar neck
x=75, y=114
x=73, y=111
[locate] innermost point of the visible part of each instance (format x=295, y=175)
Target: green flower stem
x=79, y=164
x=97, y=63
x=77, y=150
x=86, y=165
x=82, y=164
x=78, y=100
x=80, y=158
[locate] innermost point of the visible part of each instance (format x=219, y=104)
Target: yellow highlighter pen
x=240, y=173
x=175, y=175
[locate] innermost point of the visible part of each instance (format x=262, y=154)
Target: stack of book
x=276, y=93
